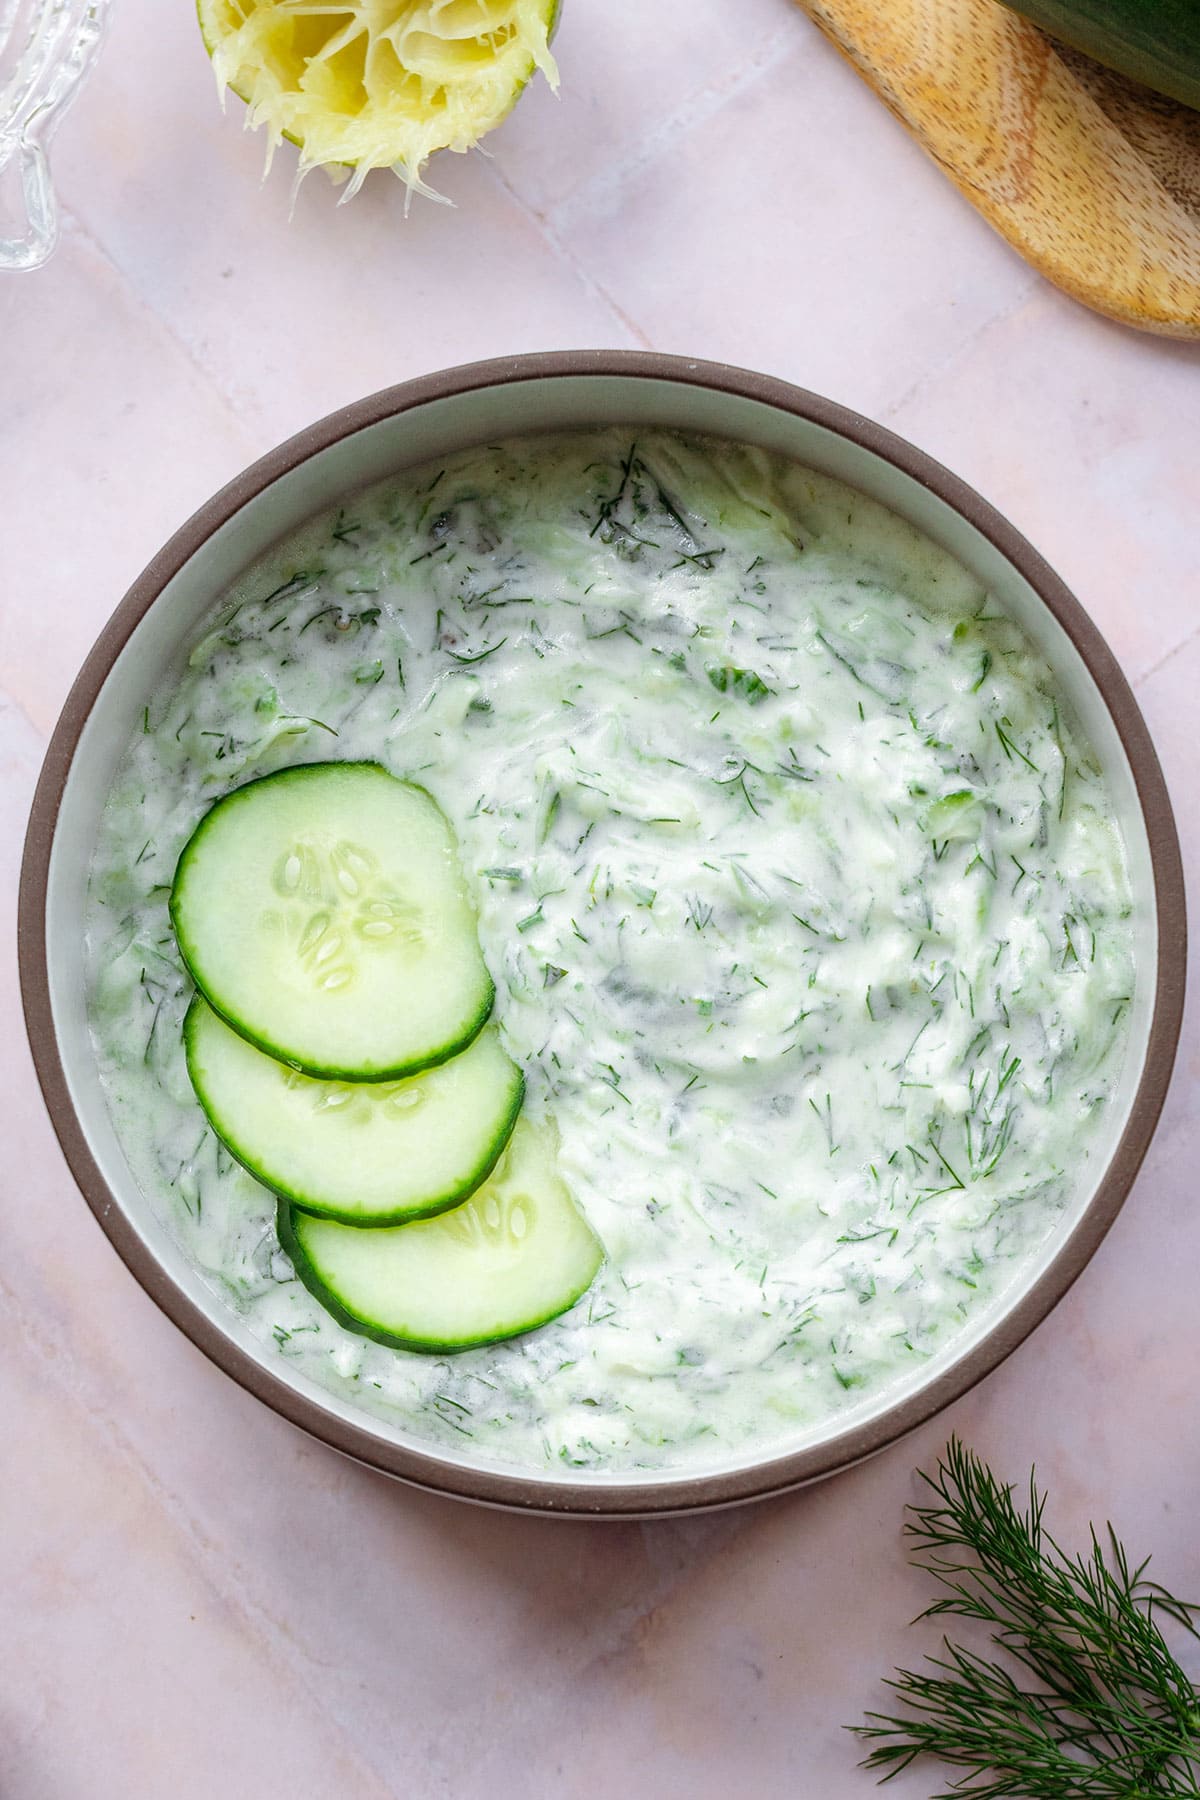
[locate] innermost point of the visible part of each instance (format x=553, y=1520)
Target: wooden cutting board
x=1094, y=179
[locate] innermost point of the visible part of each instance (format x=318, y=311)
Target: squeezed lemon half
x=378, y=84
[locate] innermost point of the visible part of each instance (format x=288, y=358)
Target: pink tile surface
x=1050, y=401
x=197, y=1599
x=775, y=233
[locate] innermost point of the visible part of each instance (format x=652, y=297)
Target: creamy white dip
x=804, y=900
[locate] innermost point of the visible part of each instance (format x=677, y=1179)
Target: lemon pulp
x=378, y=83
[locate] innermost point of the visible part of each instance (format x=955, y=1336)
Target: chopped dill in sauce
x=801, y=890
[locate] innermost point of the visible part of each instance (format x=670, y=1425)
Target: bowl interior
x=248, y=520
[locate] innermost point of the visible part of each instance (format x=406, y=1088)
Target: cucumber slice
x=366, y=1153
x=516, y=1254
x=322, y=913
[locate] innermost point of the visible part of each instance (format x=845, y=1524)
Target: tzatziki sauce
x=802, y=892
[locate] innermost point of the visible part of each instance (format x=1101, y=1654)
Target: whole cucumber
x=1155, y=41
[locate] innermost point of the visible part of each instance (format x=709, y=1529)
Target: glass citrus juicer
x=47, y=48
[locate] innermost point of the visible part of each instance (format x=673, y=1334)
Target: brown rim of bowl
x=670, y=1495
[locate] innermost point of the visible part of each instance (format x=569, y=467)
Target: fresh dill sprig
x=1083, y=1698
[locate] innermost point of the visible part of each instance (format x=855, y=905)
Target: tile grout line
x=699, y=107
x=927, y=376
x=86, y=235
x=10, y=704
x=562, y=254
x=1139, y=681
x=550, y=224
x=696, y=110
x=277, y=1644
x=916, y=388
x=224, y=1578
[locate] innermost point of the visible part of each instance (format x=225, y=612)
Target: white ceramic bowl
x=410, y=424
